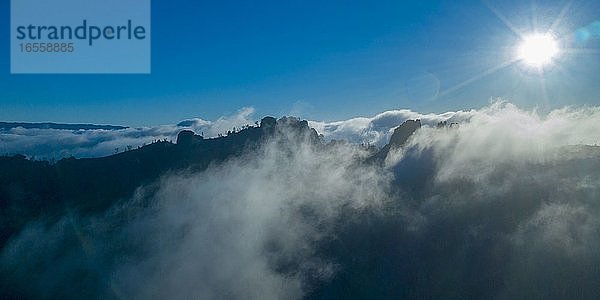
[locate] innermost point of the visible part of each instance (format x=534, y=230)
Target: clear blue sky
x=321, y=60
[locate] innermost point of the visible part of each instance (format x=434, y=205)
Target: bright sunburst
x=538, y=50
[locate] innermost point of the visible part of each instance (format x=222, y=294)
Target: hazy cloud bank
x=246, y=229
x=56, y=144
x=53, y=143
x=377, y=130
x=505, y=206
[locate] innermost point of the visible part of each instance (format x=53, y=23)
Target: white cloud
x=56, y=144
x=228, y=232
x=377, y=130
x=503, y=133
x=504, y=206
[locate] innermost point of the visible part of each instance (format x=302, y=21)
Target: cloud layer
x=57, y=144
x=504, y=206
x=377, y=130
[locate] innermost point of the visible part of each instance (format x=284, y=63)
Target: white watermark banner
x=74, y=36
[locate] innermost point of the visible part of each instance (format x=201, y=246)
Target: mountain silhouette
x=432, y=238
x=399, y=138
x=12, y=125
x=33, y=189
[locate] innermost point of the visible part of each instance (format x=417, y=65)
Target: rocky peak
x=403, y=132
x=399, y=138
x=187, y=137
x=268, y=122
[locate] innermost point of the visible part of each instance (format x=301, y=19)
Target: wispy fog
x=57, y=144
x=503, y=206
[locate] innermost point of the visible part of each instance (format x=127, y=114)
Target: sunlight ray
x=560, y=16
x=583, y=51
x=544, y=91
x=534, y=23
x=478, y=76
x=502, y=18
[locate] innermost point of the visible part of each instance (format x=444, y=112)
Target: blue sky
x=320, y=60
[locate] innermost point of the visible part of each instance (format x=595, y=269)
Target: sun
x=538, y=49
